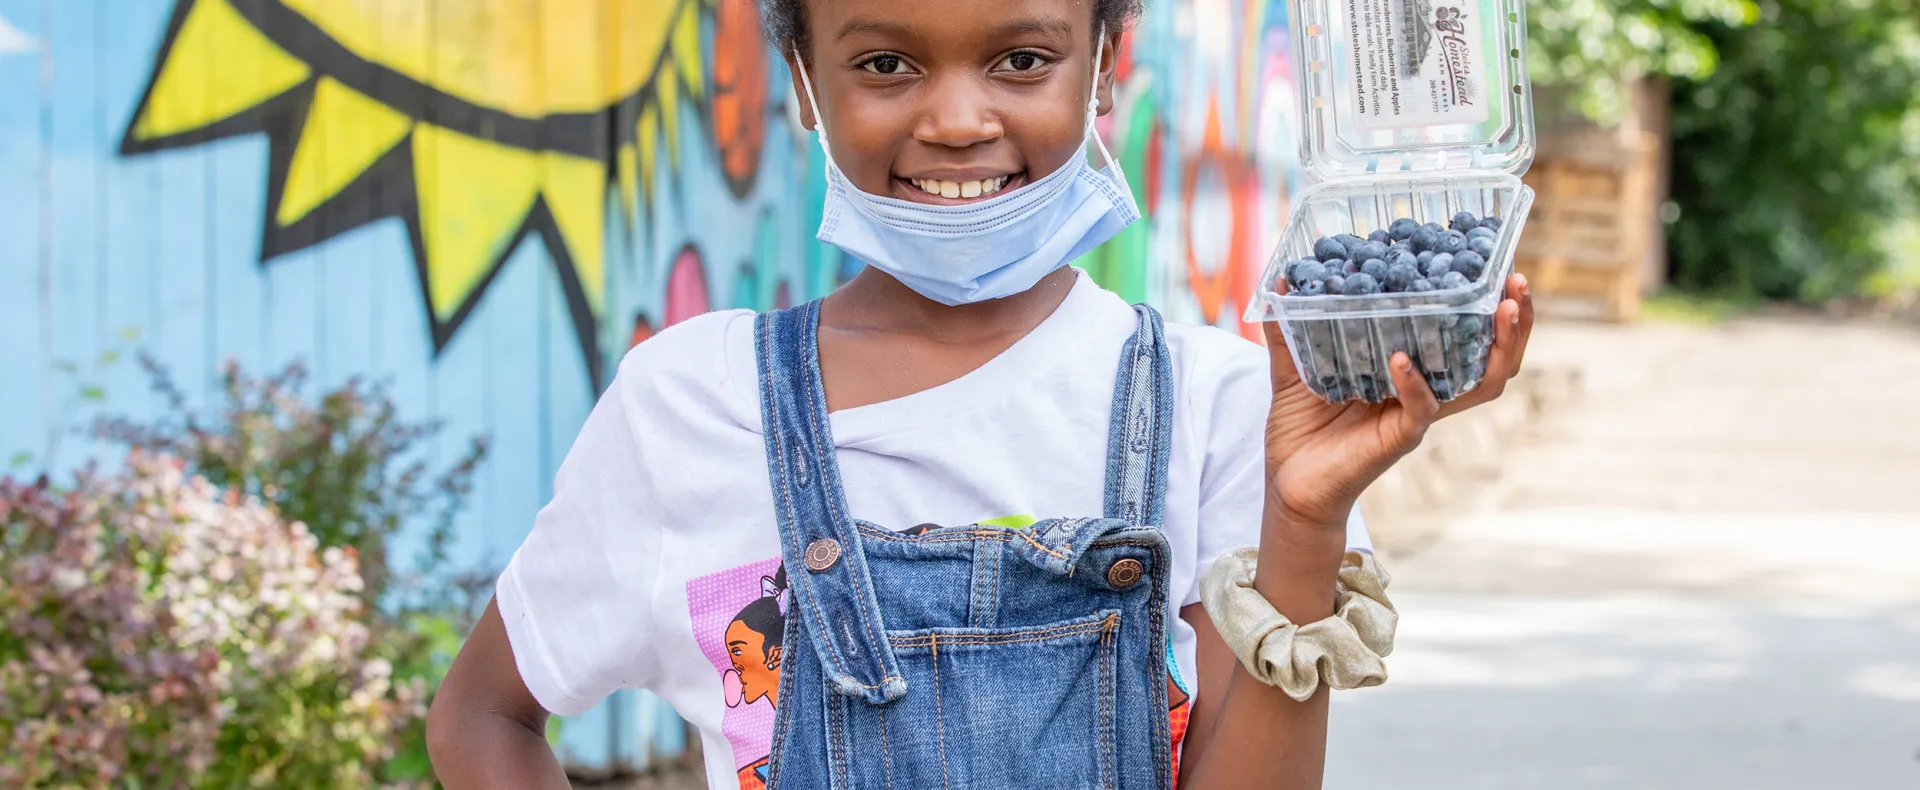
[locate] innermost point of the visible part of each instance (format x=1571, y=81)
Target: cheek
x=1048, y=142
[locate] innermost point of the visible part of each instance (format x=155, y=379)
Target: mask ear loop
x=819, y=121
x=1093, y=113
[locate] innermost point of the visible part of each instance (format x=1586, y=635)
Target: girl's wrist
x=1299, y=562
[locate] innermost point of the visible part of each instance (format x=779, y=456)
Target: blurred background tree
x=1795, y=131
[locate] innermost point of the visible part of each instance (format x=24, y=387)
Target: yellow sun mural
x=476, y=122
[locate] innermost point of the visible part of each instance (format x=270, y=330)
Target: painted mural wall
x=486, y=202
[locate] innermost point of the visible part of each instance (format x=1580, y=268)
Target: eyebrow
x=1055, y=27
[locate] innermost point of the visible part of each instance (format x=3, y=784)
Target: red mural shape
x=739, y=92
x=686, y=286
x=1220, y=278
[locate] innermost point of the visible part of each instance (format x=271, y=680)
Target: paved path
x=1704, y=574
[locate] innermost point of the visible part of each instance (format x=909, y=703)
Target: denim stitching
x=837, y=723
x=886, y=758
x=1105, y=695
x=940, y=718
x=993, y=588
x=1038, y=635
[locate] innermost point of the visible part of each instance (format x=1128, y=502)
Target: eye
x=885, y=64
x=1023, y=61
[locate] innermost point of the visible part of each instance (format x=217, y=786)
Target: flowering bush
x=159, y=632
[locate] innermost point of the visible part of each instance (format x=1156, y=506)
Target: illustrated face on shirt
x=753, y=642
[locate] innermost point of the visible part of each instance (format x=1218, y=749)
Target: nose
x=957, y=114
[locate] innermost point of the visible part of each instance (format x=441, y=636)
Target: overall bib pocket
x=999, y=708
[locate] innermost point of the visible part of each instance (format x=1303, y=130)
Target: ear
x=800, y=90
x=774, y=656
x=1109, y=65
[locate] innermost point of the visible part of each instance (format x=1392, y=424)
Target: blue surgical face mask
x=988, y=249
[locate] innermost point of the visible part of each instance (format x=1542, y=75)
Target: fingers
x=1418, y=406
x=1285, y=374
x=1521, y=292
x=1512, y=329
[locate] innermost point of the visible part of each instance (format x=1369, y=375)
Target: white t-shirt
x=660, y=539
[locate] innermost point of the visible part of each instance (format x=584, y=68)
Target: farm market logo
x=1455, y=54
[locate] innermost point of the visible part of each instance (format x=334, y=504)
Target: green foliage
x=346, y=466
x=1591, y=48
x=158, y=632
x=351, y=470
x=1794, y=159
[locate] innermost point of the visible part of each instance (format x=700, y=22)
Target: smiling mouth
x=959, y=190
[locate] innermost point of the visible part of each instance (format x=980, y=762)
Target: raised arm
x=1319, y=458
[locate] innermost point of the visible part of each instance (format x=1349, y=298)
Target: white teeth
x=960, y=189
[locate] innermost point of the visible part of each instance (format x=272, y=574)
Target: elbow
x=443, y=729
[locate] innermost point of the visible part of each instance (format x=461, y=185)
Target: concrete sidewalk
x=1705, y=573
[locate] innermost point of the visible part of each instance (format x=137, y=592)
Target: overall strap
x=826, y=568
x=1139, y=438
x=1140, y=431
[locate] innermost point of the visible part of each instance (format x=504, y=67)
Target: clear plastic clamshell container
x=1411, y=110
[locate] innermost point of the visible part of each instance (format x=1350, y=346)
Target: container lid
x=1413, y=86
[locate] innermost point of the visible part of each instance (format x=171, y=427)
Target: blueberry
x=1369, y=250
x=1400, y=276
x=1470, y=265
x=1348, y=241
x=1424, y=238
x=1362, y=284
x=1349, y=268
x=1402, y=229
x=1482, y=245
x=1439, y=266
x=1379, y=236
x=1369, y=390
x=1336, y=284
x=1329, y=249
x=1312, y=288
x=1465, y=221
x=1483, y=231
x=1421, y=285
x=1491, y=222
x=1400, y=246
x=1403, y=257
x=1376, y=268
x=1452, y=280
x=1423, y=258
x=1435, y=227
x=1306, y=272
x=1451, y=241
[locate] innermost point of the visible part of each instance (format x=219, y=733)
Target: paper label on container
x=1417, y=63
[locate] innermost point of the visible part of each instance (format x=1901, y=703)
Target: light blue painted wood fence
x=487, y=202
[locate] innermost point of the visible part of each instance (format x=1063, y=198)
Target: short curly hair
x=785, y=21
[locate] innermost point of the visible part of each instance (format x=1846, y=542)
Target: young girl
x=959, y=510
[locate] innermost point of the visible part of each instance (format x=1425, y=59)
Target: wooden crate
x=1589, y=230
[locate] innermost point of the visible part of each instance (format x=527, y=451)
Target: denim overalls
x=977, y=657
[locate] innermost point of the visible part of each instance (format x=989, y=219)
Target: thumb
x=1284, y=372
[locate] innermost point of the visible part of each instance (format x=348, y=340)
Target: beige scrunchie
x=1344, y=649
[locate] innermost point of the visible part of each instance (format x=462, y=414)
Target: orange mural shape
x=739, y=92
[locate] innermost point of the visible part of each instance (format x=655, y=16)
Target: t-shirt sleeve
x=1232, y=488
x=577, y=595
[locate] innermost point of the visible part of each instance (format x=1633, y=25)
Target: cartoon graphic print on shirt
x=739, y=620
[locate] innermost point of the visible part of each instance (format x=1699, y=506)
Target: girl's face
x=952, y=102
